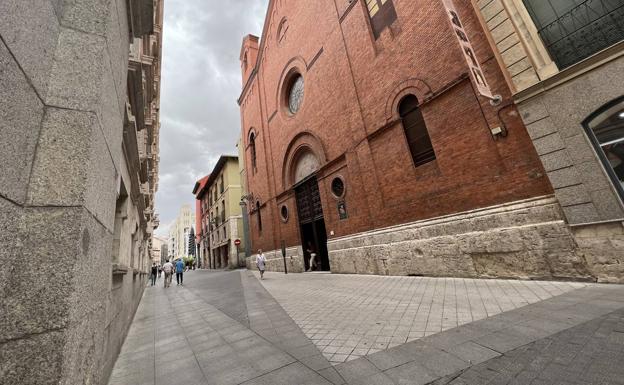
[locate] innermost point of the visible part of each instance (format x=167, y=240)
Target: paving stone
x=472, y=353
x=331, y=307
x=410, y=374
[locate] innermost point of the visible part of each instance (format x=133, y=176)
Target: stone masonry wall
x=275, y=262
x=602, y=246
x=526, y=239
x=63, y=68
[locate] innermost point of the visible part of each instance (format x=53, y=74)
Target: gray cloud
x=201, y=81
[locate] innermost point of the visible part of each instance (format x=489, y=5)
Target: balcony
x=572, y=33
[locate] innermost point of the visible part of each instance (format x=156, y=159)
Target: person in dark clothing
x=154, y=273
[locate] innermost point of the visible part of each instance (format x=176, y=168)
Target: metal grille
x=573, y=30
x=309, y=204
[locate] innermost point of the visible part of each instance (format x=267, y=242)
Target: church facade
x=383, y=138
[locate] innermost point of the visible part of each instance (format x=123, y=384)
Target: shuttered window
x=416, y=131
x=381, y=13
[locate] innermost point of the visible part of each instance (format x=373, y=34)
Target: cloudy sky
x=201, y=81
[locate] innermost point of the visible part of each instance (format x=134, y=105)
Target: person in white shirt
x=260, y=263
x=168, y=269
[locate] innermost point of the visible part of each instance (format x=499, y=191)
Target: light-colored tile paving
x=350, y=316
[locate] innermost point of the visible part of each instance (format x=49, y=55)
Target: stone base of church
x=275, y=261
x=527, y=239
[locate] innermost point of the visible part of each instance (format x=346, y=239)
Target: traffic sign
x=237, y=242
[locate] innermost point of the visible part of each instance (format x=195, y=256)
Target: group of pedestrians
x=168, y=268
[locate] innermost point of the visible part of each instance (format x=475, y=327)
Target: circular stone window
x=295, y=94
x=338, y=187
x=284, y=213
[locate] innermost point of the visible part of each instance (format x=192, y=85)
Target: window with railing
x=573, y=30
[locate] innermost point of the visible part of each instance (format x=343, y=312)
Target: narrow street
x=230, y=328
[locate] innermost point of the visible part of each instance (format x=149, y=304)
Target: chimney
x=248, y=56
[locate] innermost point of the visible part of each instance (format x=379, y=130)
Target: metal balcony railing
x=579, y=32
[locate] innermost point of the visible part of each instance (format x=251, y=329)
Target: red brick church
x=367, y=141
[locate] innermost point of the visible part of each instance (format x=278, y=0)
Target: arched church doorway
x=310, y=209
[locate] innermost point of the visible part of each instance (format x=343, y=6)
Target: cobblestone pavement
x=349, y=316
x=225, y=328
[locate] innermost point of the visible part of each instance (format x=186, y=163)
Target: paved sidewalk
x=179, y=338
x=349, y=316
x=226, y=328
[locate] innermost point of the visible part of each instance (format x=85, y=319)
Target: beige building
x=157, y=250
x=79, y=134
x=225, y=222
x=180, y=231
x=564, y=62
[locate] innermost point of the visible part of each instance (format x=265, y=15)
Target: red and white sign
x=237, y=242
x=476, y=73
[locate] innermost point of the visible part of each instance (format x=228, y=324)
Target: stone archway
x=304, y=156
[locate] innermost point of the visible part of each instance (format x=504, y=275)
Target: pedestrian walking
x=312, y=251
x=179, y=271
x=260, y=263
x=159, y=271
x=154, y=273
x=168, y=269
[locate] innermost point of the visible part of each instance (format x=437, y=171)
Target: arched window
x=416, y=131
x=605, y=129
x=252, y=147
x=259, y=216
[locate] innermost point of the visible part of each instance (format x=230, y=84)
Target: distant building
x=179, y=232
x=159, y=246
x=221, y=197
x=164, y=253
x=201, y=224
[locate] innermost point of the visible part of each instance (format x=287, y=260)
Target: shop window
x=573, y=30
x=416, y=131
x=605, y=129
x=382, y=14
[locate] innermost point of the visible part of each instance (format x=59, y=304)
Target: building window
x=252, y=148
x=223, y=211
x=295, y=94
x=605, y=129
x=221, y=185
x=382, y=14
x=416, y=131
x=573, y=30
x=338, y=187
x=284, y=213
x=259, y=216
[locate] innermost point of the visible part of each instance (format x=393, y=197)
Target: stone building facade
x=202, y=236
x=79, y=132
x=564, y=62
x=222, y=222
x=179, y=232
x=369, y=143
